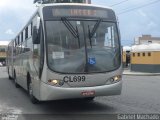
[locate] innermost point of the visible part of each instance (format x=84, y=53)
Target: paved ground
x=140, y=94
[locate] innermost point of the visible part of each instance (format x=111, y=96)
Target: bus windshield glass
x=82, y=46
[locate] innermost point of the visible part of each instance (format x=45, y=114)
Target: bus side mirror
x=36, y=32
x=37, y=1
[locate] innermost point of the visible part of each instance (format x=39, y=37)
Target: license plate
x=88, y=93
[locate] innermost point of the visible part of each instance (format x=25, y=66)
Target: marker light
x=114, y=79
x=117, y=78
x=53, y=82
x=56, y=82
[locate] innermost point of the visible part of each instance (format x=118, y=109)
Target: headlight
x=114, y=79
x=117, y=78
x=56, y=82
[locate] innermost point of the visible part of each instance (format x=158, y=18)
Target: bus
x=67, y=51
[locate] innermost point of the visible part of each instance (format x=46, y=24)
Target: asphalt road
x=140, y=94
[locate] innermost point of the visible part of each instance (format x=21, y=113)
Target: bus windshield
x=82, y=46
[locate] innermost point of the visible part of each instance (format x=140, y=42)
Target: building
x=3, y=50
x=145, y=58
x=146, y=39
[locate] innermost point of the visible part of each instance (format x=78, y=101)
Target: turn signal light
x=56, y=82
x=114, y=79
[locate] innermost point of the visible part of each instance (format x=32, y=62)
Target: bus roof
x=75, y=4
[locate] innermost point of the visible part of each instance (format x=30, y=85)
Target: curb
x=140, y=74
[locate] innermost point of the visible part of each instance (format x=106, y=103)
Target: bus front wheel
x=30, y=91
x=89, y=98
x=15, y=80
x=10, y=78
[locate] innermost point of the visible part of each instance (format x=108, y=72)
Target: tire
x=15, y=81
x=10, y=78
x=30, y=92
x=89, y=98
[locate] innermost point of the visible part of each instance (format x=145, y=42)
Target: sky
x=136, y=17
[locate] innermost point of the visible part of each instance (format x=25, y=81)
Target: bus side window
x=109, y=37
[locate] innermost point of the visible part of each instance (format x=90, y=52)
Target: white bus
x=67, y=50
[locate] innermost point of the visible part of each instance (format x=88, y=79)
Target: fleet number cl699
x=74, y=79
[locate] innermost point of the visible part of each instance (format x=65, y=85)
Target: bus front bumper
x=48, y=92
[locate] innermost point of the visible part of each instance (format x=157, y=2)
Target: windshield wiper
x=91, y=34
x=70, y=27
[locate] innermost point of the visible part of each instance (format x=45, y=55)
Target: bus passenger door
x=38, y=58
x=38, y=54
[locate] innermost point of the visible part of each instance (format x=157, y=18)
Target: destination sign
x=51, y=12
x=74, y=12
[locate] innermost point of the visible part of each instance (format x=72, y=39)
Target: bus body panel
x=94, y=79
x=75, y=90
x=53, y=93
